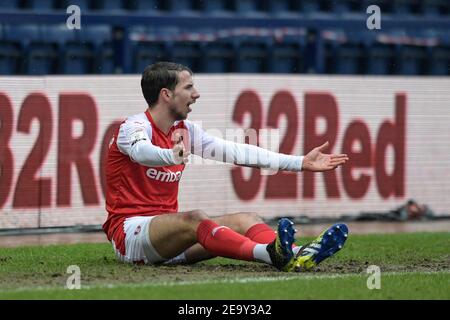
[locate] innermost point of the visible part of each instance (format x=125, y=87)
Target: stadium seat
x=282, y=8
x=411, y=60
x=309, y=6
x=42, y=59
x=439, y=61
x=346, y=6
x=429, y=7
x=183, y=7
x=100, y=38
x=146, y=53
x=187, y=53
x=379, y=59
x=251, y=7
x=434, y=7
x=10, y=59
x=83, y=4
x=39, y=57
x=10, y=56
x=75, y=57
x=252, y=56
x=56, y=36
x=218, y=57
x=217, y=7
x=10, y=4
x=385, y=5
x=145, y=6
x=349, y=59
x=287, y=54
x=41, y=4
x=109, y=5
x=403, y=7
x=286, y=58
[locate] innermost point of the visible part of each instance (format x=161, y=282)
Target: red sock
x=223, y=241
x=261, y=233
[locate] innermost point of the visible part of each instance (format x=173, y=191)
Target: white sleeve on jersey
x=210, y=147
x=134, y=140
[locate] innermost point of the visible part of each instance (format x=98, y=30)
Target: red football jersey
x=134, y=189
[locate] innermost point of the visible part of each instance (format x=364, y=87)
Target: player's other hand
x=180, y=154
x=315, y=160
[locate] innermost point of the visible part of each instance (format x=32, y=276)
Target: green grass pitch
x=413, y=266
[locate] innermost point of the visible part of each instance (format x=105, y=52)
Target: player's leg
x=172, y=234
x=248, y=224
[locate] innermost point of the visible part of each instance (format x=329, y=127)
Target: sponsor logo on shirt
x=164, y=176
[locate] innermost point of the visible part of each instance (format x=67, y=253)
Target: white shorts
x=138, y=248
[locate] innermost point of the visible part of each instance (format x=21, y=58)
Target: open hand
x=315, y=160
x=180, y=154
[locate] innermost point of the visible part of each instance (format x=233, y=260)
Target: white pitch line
x=223, y=281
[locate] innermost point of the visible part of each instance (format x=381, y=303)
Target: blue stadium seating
x=386, y=6
x=340, y=6
x=380, y=59
x=251, y=8
x=309, y=6
x=36, y=49
x=187, y=53
x=403, y=7
x=10, y=4
x=109, y=5
x=39, y=57
x=439, y=61
x=349, y=59
x=286, y=58
x=435, y=7
x=184, y=7
x=85, y=5
x=75, y=57
x=10, y=56
x=146, y=6
x=41, y=4
x=99, y=37
x=252, y=56
x=288, y=54
x=146, y=53
x=216, y=7
x=411, y=60
x=218, y=57
x=282, y=8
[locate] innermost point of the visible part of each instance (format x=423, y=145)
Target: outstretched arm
x=315, y=160
x=210, y=147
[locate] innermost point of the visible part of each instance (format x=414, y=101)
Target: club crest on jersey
x=164, y=176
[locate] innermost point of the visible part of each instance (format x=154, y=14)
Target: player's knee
x=196, y=216
x=253, y=217
x=245, y=220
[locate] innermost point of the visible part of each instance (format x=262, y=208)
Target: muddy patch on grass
x=353, y=266
x=200, y=272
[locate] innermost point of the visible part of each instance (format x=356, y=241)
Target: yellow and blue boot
x=324, y=246
x=280, y=250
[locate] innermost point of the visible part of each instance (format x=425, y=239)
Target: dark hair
x=160, y=75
